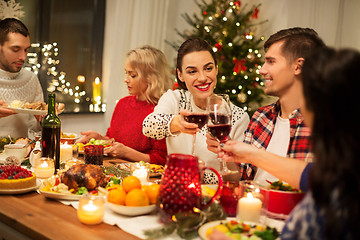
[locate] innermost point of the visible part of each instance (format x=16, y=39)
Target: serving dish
x=22, y=190
x=254, y=227
x=28, y=111
x=131, y=211
x=59, y=196
x=280, y=203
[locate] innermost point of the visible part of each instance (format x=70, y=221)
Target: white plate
x=29, y=111
x=22, y=190
x=203, y=229
x=131, y=211
x=60, y=196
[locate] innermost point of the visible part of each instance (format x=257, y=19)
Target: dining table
x=32, y=216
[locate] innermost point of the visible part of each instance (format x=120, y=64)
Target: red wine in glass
x=199, y=118
x=219, y=118
x=221, y=131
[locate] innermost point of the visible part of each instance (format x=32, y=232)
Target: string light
x=48, y=53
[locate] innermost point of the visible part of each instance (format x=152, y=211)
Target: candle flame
x=44, y=164
x=90, y=207
x=97, y=80
x=249, y=195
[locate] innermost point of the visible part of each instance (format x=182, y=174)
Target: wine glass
x=200, y=119
x=219, y=123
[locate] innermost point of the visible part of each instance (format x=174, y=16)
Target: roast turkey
x=84, y=175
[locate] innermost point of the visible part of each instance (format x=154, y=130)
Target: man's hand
x=4, y=112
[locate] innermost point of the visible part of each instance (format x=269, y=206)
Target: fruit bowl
x=280, y=203
x=131, y=211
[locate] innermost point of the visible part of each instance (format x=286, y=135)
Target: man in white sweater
x=16, y=83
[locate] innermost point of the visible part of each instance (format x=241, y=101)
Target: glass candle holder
x=229, y=197
x=141, y=171
x=91, y=209
x=93, y=154
x=250, y=204
x=44, y=167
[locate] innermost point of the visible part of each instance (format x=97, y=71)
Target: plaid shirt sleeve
x=259, y=133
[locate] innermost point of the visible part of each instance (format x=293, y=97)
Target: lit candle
x=141, y=172
x=91, y=209
x=44, y=167
x=249, y=208
x=97, y=90
x=65, y=152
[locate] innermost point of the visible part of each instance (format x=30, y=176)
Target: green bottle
x=50, y=133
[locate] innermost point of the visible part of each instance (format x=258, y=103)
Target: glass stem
x=193, y=145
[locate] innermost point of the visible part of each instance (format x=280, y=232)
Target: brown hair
x=298, y=42
x=189, y=46
x=11, y=25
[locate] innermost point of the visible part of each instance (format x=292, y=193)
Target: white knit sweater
x=156, y=125
x=23, y=86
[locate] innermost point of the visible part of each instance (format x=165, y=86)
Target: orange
x=136, y=197
x=117, y=196
x=130, y=182
x=153, y=192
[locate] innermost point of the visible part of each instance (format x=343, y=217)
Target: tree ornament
x=242, y=97
x=218, y=46
x=255, y=13
x=239, y=65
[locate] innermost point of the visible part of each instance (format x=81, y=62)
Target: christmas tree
x=229, y=27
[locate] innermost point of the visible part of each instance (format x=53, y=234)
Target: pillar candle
x=249, y=208
x=65, y=152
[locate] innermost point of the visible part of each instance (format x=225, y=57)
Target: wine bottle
x=50, y=133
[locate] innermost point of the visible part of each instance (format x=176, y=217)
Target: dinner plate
x=203, y=229
x=21, y=190
x=60, y=196
x=131, y=211
x=29, y=111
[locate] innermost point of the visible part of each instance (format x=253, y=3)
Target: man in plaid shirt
x=279, y=127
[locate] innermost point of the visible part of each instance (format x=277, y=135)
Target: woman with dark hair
x=331, y=209
x=197, y=77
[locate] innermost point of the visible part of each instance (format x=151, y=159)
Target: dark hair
x=298, y=42
x=189, y=46
x=331, y=84
x=11, y=25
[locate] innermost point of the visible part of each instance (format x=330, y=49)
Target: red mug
x=180, y=188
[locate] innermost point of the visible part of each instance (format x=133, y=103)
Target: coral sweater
x=126, y=128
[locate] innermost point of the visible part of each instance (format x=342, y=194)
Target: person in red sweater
x=147, y=78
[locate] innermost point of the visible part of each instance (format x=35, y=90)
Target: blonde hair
x=151, y=67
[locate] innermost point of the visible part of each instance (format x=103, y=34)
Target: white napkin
x=136, y=225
